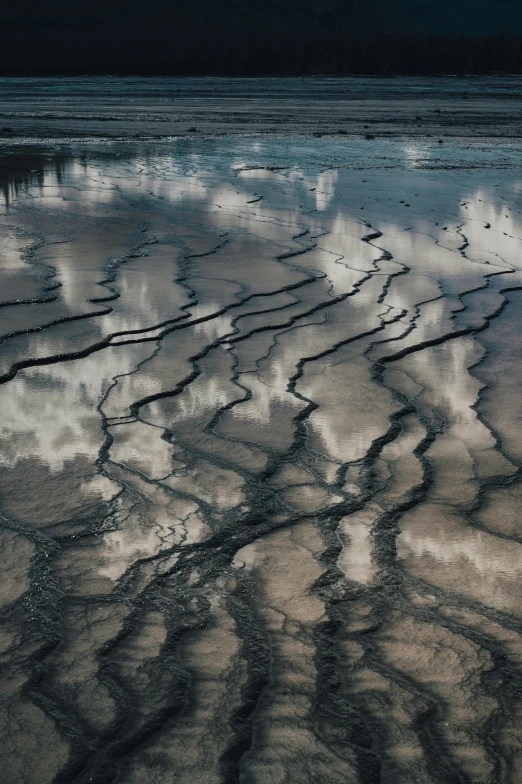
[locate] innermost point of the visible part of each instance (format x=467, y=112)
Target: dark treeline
x=275, y=37
x=345, y=54
x=340, y=53
x=414, y=54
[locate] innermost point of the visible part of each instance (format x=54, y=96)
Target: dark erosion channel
x=261, y=461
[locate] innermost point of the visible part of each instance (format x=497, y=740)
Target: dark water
x=260, y=463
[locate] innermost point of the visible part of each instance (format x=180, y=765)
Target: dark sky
x=139, y=34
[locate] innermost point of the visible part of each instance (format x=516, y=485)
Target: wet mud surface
x=381, y=107
x=260, y=463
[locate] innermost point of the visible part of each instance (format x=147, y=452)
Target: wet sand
x=260, y=462
x=127, y=107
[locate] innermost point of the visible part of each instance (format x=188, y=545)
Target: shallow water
x=260, y=462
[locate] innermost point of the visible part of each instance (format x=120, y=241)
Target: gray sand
x=260, y=441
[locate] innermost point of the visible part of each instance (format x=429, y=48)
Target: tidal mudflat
x=260, y=462
x=115, y=107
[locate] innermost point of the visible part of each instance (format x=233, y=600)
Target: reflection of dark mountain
x=21, y=168
x=243, y=36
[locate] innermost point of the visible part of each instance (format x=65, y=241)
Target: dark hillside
x=243, y=36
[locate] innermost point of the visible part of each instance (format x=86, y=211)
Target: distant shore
x=162, y=107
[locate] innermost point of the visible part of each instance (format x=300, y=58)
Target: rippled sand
x=260, y=461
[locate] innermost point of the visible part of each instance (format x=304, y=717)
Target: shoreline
x=162, y=108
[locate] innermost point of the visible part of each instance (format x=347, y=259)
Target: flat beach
x=261, y=431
